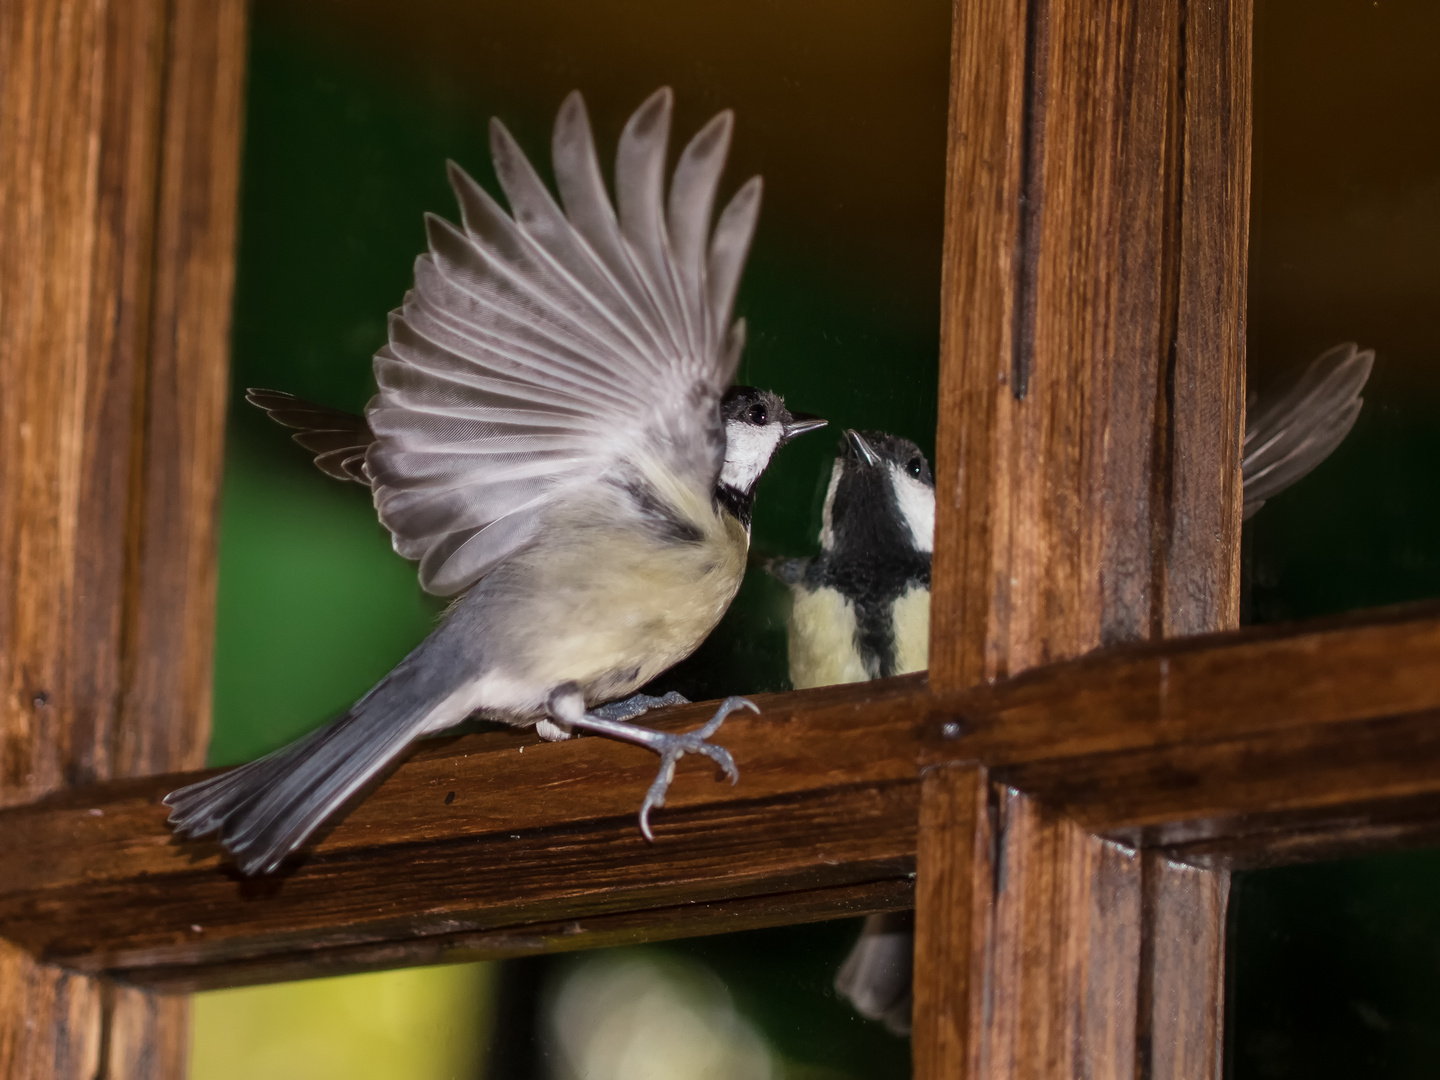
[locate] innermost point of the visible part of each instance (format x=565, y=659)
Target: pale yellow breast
x=912, y=631
x=610, y=606
x=822, y=639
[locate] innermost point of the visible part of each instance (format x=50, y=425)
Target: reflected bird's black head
x=880, y=504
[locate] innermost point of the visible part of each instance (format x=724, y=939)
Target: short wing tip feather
x=456, y=175
x=651, y=119
x=572, y=121
x=662, y=97
x=718, y=129
x=572, y=108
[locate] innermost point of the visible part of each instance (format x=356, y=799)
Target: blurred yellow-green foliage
x=413, y=1024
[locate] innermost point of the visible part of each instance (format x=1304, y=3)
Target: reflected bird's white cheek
x=916, y=501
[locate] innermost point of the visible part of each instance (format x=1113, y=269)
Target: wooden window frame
x=1095, y=748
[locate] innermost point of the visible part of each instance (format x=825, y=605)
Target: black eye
x=758, y=414
x=915, y=466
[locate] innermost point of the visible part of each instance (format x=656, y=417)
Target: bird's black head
x=881, y=498
x=757, y=423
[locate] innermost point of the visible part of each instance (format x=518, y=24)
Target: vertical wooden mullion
x=119, y=135
x=956, y=843
x=170, y=632
x=1203, y=553
x=1087, y=481
x=1182, y=1006
x=1181, y=997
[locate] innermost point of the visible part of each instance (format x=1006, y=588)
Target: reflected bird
x=553, y=440
x=860, y=610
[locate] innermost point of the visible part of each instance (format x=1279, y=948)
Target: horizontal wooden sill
x=1242, y=749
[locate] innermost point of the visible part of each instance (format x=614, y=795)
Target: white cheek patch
x=827, y=515
x=916, y=501
x=748, y=450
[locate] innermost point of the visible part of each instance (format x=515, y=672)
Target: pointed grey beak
x=800, y=423
x=862, y=448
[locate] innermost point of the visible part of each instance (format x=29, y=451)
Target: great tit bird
x=554, y=442
x=860, y=610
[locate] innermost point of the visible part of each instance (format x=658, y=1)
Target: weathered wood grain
x=1064, y=951
x=1056, y=531
x=983, y=186
x=171, y=574
x=1228, y=749
x=598, y=931
x=1181, y=970
x=490, y=831
x=1205, y=406
x=1090, y=406
x=1089, y=409
x=94, y=182
x=956, y=882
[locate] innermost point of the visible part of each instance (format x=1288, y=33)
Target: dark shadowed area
x=1335, y=969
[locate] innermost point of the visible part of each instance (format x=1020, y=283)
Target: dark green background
x=352, y=112
x=1335, y=969
x=353, y=108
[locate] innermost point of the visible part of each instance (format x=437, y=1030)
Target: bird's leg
x=567, y=707
x=632, y=706
x=625, y=709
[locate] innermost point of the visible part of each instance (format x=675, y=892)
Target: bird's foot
x=567, y=707
x=632, y=706
x=672, y=748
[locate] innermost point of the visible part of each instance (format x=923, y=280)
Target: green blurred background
x=353, y=108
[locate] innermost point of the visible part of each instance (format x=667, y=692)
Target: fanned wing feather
x=692, y=200
x=543, y=347
x=1303, y=423
x=729, y=248
x=337, y=439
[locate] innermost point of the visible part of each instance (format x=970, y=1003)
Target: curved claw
x=728, y=706
x=721, y=757
x=674, y=747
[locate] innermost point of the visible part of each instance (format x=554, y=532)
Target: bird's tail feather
x=876, y=976
x=266, y=809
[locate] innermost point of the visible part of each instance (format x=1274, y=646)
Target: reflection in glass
x=1335, y=968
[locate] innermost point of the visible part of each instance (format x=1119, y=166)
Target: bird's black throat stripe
x=739, y=504
x=872, y=584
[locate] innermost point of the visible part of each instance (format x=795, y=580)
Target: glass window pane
x=1334, y=967
x=352, y=110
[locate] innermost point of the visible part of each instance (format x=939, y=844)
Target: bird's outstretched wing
x=1294, y=431
x=540, y=348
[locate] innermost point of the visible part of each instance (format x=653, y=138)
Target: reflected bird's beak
x=862, y=448
x=800, y=423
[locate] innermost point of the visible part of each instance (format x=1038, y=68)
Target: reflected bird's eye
x=915, y=467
